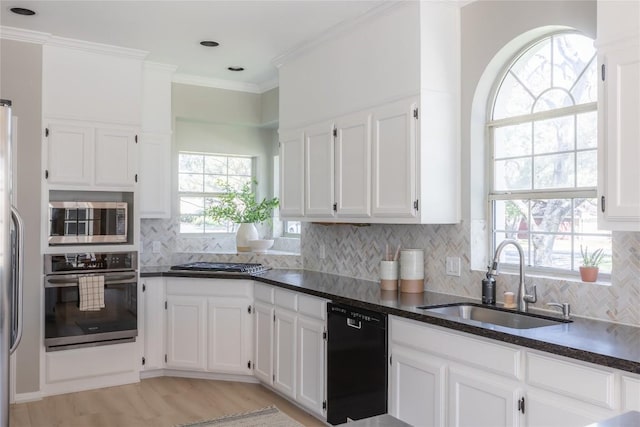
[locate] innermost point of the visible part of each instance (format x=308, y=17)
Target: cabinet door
x=154, y=176
x=285, y=352
x=153, y=304
x=417, y=388
x=263, y=342
x=115, y=158
x=70, y=154
x=186, y=332
x=479, y=401
x=229, y=331
x=631, y=393
x=620, y=147
x=353, y=166
x=292, y=175
x=543, y=409
x=319, y=174
x=310, y=390
x=394, y=160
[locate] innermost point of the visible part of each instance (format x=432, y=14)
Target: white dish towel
x=91, y=289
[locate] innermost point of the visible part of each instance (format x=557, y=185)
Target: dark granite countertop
x=603, y=343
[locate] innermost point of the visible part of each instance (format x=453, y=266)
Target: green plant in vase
x=590, y=263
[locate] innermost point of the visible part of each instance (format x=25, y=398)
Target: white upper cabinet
x=292, y=174
x=318, y=167
x=389, y=166
x=394, y=161
x=80, y=155
x=353, y=166
x=154, y=163
x=618, y=111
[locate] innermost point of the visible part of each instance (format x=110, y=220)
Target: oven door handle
x=61, y=282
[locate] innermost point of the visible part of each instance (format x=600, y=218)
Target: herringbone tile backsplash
x=356, y=252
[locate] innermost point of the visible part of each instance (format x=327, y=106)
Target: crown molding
x=22, y=35
x=268, y=85
x=170, y=68
x=97, y=47
x=333, y=32
x=190, y=79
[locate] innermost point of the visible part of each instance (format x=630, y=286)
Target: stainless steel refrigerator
x=11, y=256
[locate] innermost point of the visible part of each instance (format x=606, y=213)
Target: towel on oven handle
x=91, y=290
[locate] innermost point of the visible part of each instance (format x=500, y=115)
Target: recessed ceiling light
x=22, y=11
x=209, y=43
x=235, y=69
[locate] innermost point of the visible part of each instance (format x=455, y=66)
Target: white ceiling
x=251, y=33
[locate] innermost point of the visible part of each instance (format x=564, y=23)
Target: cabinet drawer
x=286, y=299
x=571, y=379
x=263, y=293
x=312, y=306
x=497, y=358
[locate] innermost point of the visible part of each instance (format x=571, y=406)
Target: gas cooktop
x=222, y=267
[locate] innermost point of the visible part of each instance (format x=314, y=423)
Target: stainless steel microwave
x=87, y=222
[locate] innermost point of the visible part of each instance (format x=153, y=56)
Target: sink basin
x=493, y=315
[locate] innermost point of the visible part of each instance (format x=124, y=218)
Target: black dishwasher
x=356, y=363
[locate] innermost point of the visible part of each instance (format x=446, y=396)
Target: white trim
x=191, y=79
x=27, y=397
x=97, y=47
x=160, y=66
x=22, y=35
x=333, y=32
x=198, y=375
x=268, y=85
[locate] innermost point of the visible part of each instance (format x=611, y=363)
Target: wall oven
x=68, y=324
x=87, y=222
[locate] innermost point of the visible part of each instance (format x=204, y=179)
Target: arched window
x=543, y=142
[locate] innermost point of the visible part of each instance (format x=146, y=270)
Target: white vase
x=246, y=231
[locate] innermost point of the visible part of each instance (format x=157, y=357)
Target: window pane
x=213, y=183
x=215, y=165
x=512, y=100
x=512, y=141
x=510, y=253
x=190, y=182
x=533, y=68
x=586, y=89
x=554, y=135
x=585, y=216
x=552, y=99
x=240, y=166
x=572, y=53
x=587, y=173
x=513, y=174
x=238, y=181
x=555, y=171
x=587, y=130
x=191, y=223
x=551, y=216
x=512, y=216
x=191, y=205
x=551, y=251
x=190, y=163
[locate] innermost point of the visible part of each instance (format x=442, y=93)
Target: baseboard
x=90, y=383
x=198, y=375
x=27, y=397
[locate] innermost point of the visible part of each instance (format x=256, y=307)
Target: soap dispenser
x=489, y=289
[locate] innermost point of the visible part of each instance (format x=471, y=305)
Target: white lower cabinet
x=290, y=350
x=208, y=325
x=417, y=386
x=440, y=377
x=186, y=332
x=477, y=400
x=152, y=322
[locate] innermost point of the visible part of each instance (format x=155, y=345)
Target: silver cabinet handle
x=19, y=224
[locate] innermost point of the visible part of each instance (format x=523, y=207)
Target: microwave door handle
x=18, y=285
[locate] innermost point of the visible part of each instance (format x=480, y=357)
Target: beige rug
x=265, y=417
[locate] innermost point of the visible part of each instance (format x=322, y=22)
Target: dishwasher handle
x=353, y=323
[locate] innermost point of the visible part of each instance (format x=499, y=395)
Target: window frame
x=494, y=195
x=204, y=194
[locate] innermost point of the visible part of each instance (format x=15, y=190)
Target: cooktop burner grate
x=225, y=267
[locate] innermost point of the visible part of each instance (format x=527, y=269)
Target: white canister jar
x=412, y=270
x=389, y=275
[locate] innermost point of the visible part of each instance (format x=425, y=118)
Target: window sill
x=603, y=279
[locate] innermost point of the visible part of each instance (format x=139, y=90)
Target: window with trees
x=200, y=177
x=543, y=142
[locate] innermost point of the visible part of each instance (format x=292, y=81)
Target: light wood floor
x=156, y=402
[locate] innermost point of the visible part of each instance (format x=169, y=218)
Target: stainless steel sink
x=493, y=316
